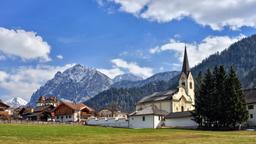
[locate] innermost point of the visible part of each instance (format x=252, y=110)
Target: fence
x=108, y=122
x=38, y=122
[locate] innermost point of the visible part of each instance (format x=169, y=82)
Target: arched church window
x=190, y=85
x=183, y=84
x=182, y=108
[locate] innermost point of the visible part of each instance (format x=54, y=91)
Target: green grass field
x=68, y=134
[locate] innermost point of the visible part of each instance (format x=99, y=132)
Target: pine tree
x=220, y=102
x=235, y=101
x=206, y=95
x=197, y=116
x=219, y=92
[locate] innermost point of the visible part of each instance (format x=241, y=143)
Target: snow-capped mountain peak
x=16, y=102
x=77, y=83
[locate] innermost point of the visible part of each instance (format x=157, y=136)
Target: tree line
x=220, y=101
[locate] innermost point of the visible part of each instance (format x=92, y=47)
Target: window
x=251, y=116
x=182, y=108
x=143, y=118
x=183, y=83
x=57, y=117
x=159, y=117
x=250, y=107
x=190, y=85
x=70, y=116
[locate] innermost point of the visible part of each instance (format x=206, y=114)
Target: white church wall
x=162, y=105
x=166, y=106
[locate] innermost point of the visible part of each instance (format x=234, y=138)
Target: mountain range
x=80, y=83
x=98, y=91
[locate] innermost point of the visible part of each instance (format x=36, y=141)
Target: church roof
x=179, y=115
x=149, y=110
x=3, y=105
x=185, y=67
x=158, y=96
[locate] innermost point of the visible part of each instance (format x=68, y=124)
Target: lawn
x=61, y=134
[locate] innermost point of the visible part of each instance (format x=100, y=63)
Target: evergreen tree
x=236, y=112
x=198, y=101
x=217, y=98
x=220, y=102
x=205, y=98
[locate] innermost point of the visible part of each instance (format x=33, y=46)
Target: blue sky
x=38, y=38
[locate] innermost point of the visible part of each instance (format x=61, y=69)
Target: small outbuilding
x=149, y=117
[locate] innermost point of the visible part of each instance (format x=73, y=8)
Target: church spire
x=185, y=67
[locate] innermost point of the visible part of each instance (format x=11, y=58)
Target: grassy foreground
x=68, y=134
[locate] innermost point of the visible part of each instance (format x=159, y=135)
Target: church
x=167, y=108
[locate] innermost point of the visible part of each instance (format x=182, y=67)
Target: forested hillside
x=241, y=55
x=126, y=98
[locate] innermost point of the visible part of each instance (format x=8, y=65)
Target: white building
x=149, y=117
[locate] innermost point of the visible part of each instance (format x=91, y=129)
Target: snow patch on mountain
x=16, y=102
x=127, y=77
x=77, y=84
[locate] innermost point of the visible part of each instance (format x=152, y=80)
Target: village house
x=41, y=113
x=4, y=111
x=46, y=101
x=72, y=112
x=108, y=114
x=250, y=98
x=180, y=100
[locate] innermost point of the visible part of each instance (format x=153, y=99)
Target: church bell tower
x=186, y=79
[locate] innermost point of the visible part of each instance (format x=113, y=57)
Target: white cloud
x=112, y=73
x=197, y=51
x=26, y=80
x=23, y=44
x=121, y=66
x=133, y=68
x=216, y=14
x=131, y=6
x=60, y=57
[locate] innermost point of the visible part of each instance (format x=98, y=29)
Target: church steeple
x=185, y=67
x=186, y=80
